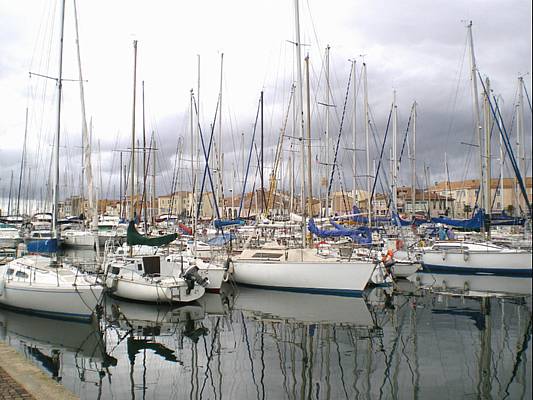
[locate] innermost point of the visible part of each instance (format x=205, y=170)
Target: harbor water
x=399, y=342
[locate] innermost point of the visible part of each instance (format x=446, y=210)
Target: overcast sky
x=416, y=47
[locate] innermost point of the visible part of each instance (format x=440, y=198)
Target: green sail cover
x=134, y=237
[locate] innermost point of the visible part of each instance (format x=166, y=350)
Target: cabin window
x=21, y=274
x=139, y=267
x=10, y=271
x=115, y=270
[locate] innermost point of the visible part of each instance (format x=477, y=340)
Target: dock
x=20, y=379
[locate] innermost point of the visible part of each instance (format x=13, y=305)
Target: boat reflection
x=57, y=345
x=474, y=285
x=302, y=307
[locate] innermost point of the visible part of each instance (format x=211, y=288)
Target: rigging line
x=453, y=107
x=381, y=153
x=527, y=95
x=340, y=131
x=249, y=159
x=504, y=135
x=207, y=170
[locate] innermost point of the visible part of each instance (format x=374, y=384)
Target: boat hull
x=478, y=262
x=76, y=303
x=340, y=278
x=151, y=292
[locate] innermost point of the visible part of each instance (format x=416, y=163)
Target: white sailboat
x=38, y=284
x=303, y=270
x=145, y=275
x=483, y=257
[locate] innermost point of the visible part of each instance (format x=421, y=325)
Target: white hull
x=475, y=260
x=31, y=284
x=76, y=303
x=404, y=269
x=78, y=239
x=328, y=277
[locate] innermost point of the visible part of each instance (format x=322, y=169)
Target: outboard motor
x=192, y=276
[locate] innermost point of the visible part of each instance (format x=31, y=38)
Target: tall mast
x=327, y=129
x=300, y=119
x=55, y=195
x=86, y=151
x=154, y=168
x=9, y=196
x=132, y=208
x=367, y=146
x=22, y=161
x=475, y=98
x=413, y=165
x=394, y=152
x=520, y=138
x=220, y=194
x=354, y=136
x=262, y=159
x=120, y=187
x=487, y=122
x=143, y=201
x=502, y=154
x=309, y=172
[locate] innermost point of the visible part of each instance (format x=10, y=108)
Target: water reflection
x=420, y=339
x=67, y=350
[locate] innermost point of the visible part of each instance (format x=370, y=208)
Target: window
x=10, y=271
x=21, y=274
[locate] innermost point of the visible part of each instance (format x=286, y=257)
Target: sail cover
x=361, y=235
x=474, y=223
x=221, y=223
x=134, y=238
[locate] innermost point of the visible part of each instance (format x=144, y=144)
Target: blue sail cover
x=361, y=235
x=474, y=223
x=504, y=219
x=221, y=223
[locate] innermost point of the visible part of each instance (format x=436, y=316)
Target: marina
x=312, y=222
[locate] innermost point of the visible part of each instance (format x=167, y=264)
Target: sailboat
x=39, y=284
x=139, y=272
x=303, y=270
x=478, y=257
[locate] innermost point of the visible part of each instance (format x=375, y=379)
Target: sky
x=413, y=47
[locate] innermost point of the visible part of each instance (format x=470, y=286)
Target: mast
x=475, y=98
x=413, y=165
x=394, y=152
x=120, y=187
x=487, y=122
x=520, y=138
x=55, y=194
x=354, y=136
x=327, y=129
x=154, y=168
x=502, y=154
x=220, y=193
x=309, y=172
x=262, y=159
x=299, y=113
x=143, y=201
x=87, y=164
x=132, y=208
x=9, y=197
x=22, y=161
x=367, y=146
